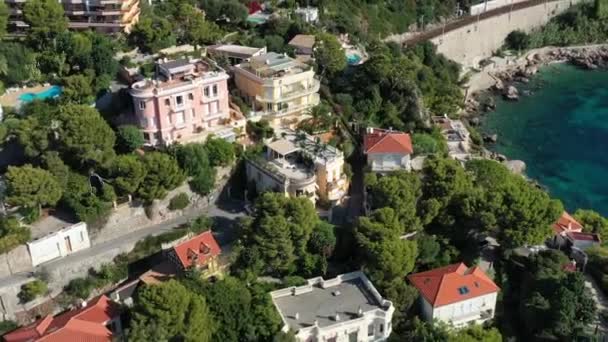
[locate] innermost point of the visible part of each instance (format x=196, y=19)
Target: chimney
x=83, y=304
x=336, y=317
x=297, y=316
x=360, y=312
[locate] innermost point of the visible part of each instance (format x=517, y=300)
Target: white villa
x=456, y=294
x=343, y=309
x=387, y=150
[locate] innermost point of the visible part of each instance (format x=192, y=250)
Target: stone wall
x=470, y=44
x=15, y=261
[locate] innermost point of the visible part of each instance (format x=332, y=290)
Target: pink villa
x=186, y=101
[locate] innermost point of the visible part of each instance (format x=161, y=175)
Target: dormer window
x=204, y=249
x=142, y=105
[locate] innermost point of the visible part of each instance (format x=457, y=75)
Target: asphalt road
x=224, y=213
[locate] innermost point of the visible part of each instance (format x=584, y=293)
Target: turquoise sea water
x=52, y=92
x=561, y=132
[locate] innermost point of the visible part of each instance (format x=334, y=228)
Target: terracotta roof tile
x=583, y=236
x=453, y=283
x=567, y=223
x=197, y=250
x=387, y=141
x=82, y=325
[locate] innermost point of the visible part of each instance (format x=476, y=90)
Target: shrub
x=6, y=326
x=80, y=287
x=518, y=40
x=201, y=224
x=179, y=202
x=32, y=290
x=129, y=138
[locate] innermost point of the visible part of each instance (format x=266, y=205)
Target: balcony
x=297, y=91
x=291, y=109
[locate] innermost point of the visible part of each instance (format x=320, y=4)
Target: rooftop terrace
x=274, y=65
x=328, y=302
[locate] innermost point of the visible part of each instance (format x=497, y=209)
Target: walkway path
x=599, y=325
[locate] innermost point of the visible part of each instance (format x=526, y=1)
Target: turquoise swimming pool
x=52, y=92
x=353, y=59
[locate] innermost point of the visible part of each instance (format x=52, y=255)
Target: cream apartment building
x=107, y=16
x=279, y=88
x=299, y=166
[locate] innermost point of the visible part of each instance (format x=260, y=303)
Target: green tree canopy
x=46, y=20
x=192, y=158
x=163, y=175
x=277, y=239
x=4, y=14
x=84, y=136
x=241, y=311
x=151, y=34
x=592, y=221
x=401, y=192
x=127, y=172
x=31, y=187
x=220, y=151
x=78, y=89
x=18, y=63
x=129, y=138
x=169, y=312
x=329, y=54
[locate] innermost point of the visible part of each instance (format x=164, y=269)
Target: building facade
x=186, y=101
x=387, y=150
x=278, y=87
x=59, y=244
x=456, y=295
x=299, y=166
x=100, y=15
x=343, y=309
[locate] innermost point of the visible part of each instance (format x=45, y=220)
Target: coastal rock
x=490, y=138
x=515, y=166
x=511, y=93
x=522, y=79
x=499, y=85
x=474, y=121
x=500, y=157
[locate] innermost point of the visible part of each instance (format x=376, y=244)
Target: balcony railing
x=292, y=93
x=287, y=111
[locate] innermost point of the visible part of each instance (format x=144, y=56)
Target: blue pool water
x=353, y=59
x=52, y=92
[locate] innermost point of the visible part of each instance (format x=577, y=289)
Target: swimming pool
x=353, y=59
x=52, y=92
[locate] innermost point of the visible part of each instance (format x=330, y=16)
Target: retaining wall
x=470, y=44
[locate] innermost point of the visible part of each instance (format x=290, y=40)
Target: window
x=215, y=90
x=463, y=290
x=269, y=107
x=370, y=330
x=206, y=91
x=381, y=328
x=179, y=118
x=352, y=337
x=179, y=100
x=190, y=97
x=167, y=102
x=142, y=105
x=157, y=136
x=213, y=107
x=147, y=136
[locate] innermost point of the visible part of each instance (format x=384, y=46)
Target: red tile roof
x=86, y=324
x=452, y=284
x=567, y=223
x=583, y=236
x=197, y=250
x=387, y=141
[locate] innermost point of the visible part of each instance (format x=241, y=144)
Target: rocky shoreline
x=517, y=71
